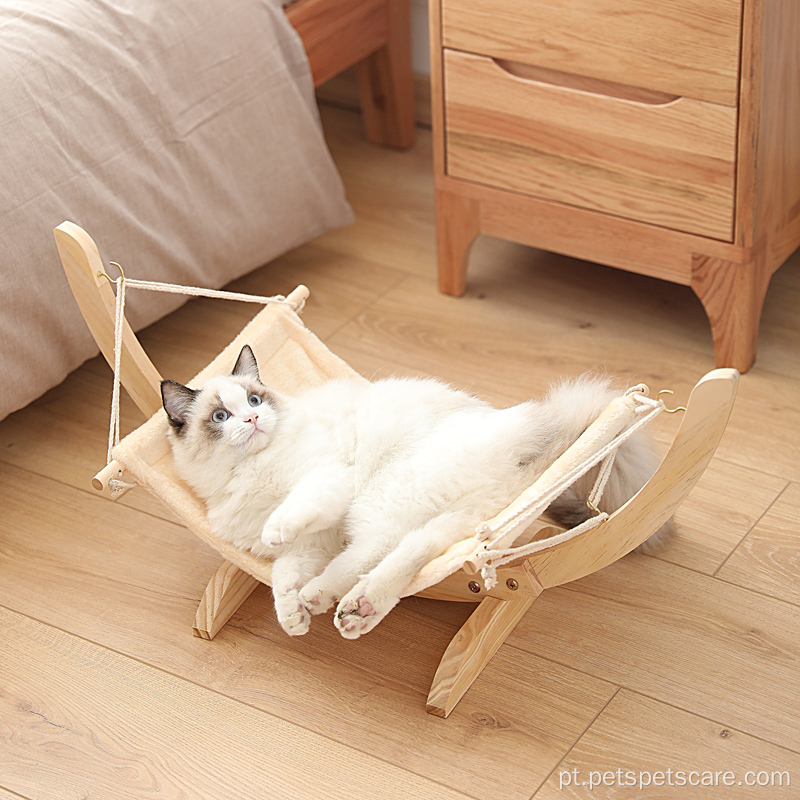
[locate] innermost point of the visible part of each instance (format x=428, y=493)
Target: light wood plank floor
x=688, y=661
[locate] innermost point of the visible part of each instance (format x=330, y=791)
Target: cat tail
x=570, y=408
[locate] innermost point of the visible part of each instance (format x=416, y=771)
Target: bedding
x=184, y=136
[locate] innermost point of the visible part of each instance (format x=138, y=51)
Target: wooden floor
x=690, y=661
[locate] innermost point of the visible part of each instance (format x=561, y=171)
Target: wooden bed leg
x=386, y=83
x=480, y=637
x=228, y=588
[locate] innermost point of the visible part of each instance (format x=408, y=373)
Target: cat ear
x=246, y=365
x=177, y=400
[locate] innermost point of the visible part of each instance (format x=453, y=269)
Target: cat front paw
x=361, y=609
x=278, y=532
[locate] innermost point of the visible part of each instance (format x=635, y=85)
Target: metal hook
x=670, y=410
x=108, y=277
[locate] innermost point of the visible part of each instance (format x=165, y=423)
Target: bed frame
x=375, y=37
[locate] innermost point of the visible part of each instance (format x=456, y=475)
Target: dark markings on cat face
x=214, y=429
x=178, y=401
x=191, y=411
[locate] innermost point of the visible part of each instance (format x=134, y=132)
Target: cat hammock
x=490, y=566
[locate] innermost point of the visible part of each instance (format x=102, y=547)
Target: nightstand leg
x=457, y=227
x=733, y=296
x=386, y=84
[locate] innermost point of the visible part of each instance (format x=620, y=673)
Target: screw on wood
x=474, y=586
x=512, y=584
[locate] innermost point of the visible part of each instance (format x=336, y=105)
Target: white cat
x=352, y=486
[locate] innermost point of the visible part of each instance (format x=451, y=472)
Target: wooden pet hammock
x=491, y=565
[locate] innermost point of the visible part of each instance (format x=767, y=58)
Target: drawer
x=665, y=161
x=688, y=48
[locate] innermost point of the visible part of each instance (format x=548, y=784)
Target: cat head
x=231, y=415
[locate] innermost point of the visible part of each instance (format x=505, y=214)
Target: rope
x=196, y=291
x=537, y=505
x=115, y=485
x=496, y=556
x=489, y=569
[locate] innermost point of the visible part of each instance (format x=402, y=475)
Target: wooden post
x=97, y=303
x=228, y=588
x=480, y=637
x=386, y=83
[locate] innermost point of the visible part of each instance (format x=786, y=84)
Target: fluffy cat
x=352, y=487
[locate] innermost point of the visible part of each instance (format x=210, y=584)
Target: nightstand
x=661, y=138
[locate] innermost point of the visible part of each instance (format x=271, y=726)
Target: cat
x=351, y=487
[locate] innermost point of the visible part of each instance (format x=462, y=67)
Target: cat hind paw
x=316, y=599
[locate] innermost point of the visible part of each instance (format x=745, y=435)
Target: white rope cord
x=115, y=485
x=195, y=291
x=602, y=479
x=500, y=557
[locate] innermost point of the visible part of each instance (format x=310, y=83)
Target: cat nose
x=252, y=419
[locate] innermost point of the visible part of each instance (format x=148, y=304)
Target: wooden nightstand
x=662, y=138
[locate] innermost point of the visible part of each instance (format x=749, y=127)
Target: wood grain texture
x=82, y=265
x=769, y=146
x=702, y=645
x=543, y=318
x=733, y=297
x=669, y=164
x=768, y=558
x=587, y=234
x=471, y=650
x=636, y=734
x=457, y=226
x=687, y=47
x=529, y=175
x=132, y=731
x=386, y=83
x=337, y=35
x=724, y=505
x=6, y=794
x=131, y=583
x=228, y=588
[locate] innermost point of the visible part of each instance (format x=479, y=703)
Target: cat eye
x=220, y=415
x=254, y=400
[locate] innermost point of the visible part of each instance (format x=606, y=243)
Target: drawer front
x=684, y=47
x=669, y=164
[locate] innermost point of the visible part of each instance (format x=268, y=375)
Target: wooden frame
x=375, y=36
x=518, y=584
x=729, y=277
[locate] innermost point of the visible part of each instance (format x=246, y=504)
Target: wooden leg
x=228, y=588
x=733, y=296
x=386, y=84
x=457, y=227
x=472, y=648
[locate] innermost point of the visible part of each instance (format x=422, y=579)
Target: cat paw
x=316, y=598
x=293, y=615
x=361, y=610
x=279, y=531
